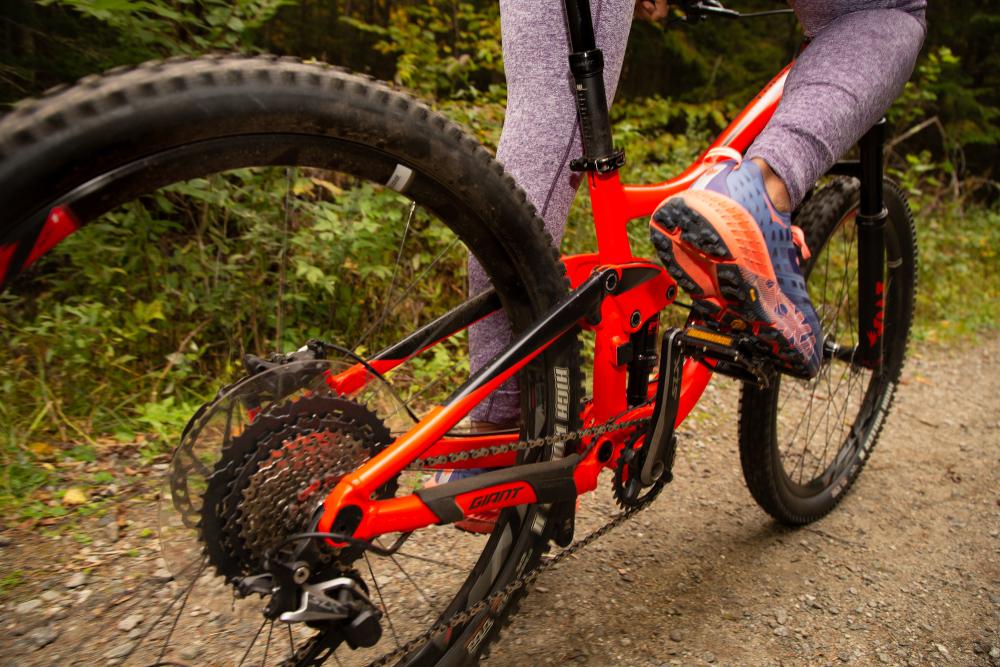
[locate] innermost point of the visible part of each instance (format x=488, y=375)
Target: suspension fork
x=872, y=214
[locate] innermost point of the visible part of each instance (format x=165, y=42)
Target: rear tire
x=112, y=138
x=842, y=411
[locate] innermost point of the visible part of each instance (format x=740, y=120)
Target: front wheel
x=353, y=197
x=804, y=442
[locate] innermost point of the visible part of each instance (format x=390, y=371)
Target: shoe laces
x=722, y=154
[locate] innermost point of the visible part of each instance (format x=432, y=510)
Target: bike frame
x=628, y=291
x=615, y=294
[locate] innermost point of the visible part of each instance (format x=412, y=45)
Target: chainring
x=274, y=475
x=627, y=493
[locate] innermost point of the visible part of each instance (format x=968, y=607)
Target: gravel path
x=905, y=572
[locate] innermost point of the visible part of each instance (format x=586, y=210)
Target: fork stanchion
x=871, y=250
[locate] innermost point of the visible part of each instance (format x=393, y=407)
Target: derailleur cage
x=341, y=601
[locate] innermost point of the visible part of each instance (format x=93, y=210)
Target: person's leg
x=540, y=137
x=861, y=54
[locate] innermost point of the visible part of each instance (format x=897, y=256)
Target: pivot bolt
x=301, y=575
x=636, y=319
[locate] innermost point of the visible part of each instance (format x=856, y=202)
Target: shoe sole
x=715, y=251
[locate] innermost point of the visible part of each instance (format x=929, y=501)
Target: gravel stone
x=129, y=622
x=162, y=575
x=781, y=616
x=28, y=606
x=78, y=579
x=119, y=651
x=40, y=637
x=675, y=636
x=50, y=596
x=190, y=652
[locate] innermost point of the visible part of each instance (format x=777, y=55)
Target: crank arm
x=662, y=443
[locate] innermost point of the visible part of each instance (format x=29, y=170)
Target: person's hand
x=651, y=10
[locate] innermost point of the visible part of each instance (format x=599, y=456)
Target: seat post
x=586, y=63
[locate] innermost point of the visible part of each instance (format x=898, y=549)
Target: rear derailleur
x=319, y=599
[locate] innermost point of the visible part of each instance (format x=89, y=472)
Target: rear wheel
x=388, y=199
x=804, y=442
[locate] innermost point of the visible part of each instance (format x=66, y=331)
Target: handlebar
x=699, y=10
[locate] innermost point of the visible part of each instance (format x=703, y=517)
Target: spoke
x=252, y=642
x=442, y=563
x=385, y=607
x=180, y=610
x=152, y=626
x=406, y=290
x=282, y=256
x=291, y=641
x=412, y=582
x=423, y=390
x=395, y=267
x=423, y=558
x=267, y=645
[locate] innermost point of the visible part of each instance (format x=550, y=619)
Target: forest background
x=84, y=361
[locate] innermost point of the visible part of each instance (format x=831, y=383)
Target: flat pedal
x=735, y=355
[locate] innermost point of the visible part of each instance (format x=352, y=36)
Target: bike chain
x=526, y=579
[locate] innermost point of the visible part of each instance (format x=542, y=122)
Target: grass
x=959, y=292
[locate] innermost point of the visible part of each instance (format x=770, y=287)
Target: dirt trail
x=905, y=572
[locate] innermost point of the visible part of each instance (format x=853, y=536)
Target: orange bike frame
x=614, y=205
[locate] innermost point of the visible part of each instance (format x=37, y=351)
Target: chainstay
x=462, y=617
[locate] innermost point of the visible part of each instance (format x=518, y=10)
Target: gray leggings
x=861, y=55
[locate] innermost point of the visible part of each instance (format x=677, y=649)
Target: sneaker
x=738, y=258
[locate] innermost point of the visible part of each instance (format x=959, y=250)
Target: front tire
x=804, y=442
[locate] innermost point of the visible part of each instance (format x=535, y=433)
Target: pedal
x=735, y=355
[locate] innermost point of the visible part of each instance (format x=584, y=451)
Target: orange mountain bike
x=300, y=495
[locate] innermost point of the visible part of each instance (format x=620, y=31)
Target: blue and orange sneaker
x=738, y=258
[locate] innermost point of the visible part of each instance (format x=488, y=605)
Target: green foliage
x=442, y=48
x=129, y=325
x=10, y=581
x=186, y=27
x=959, y=293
